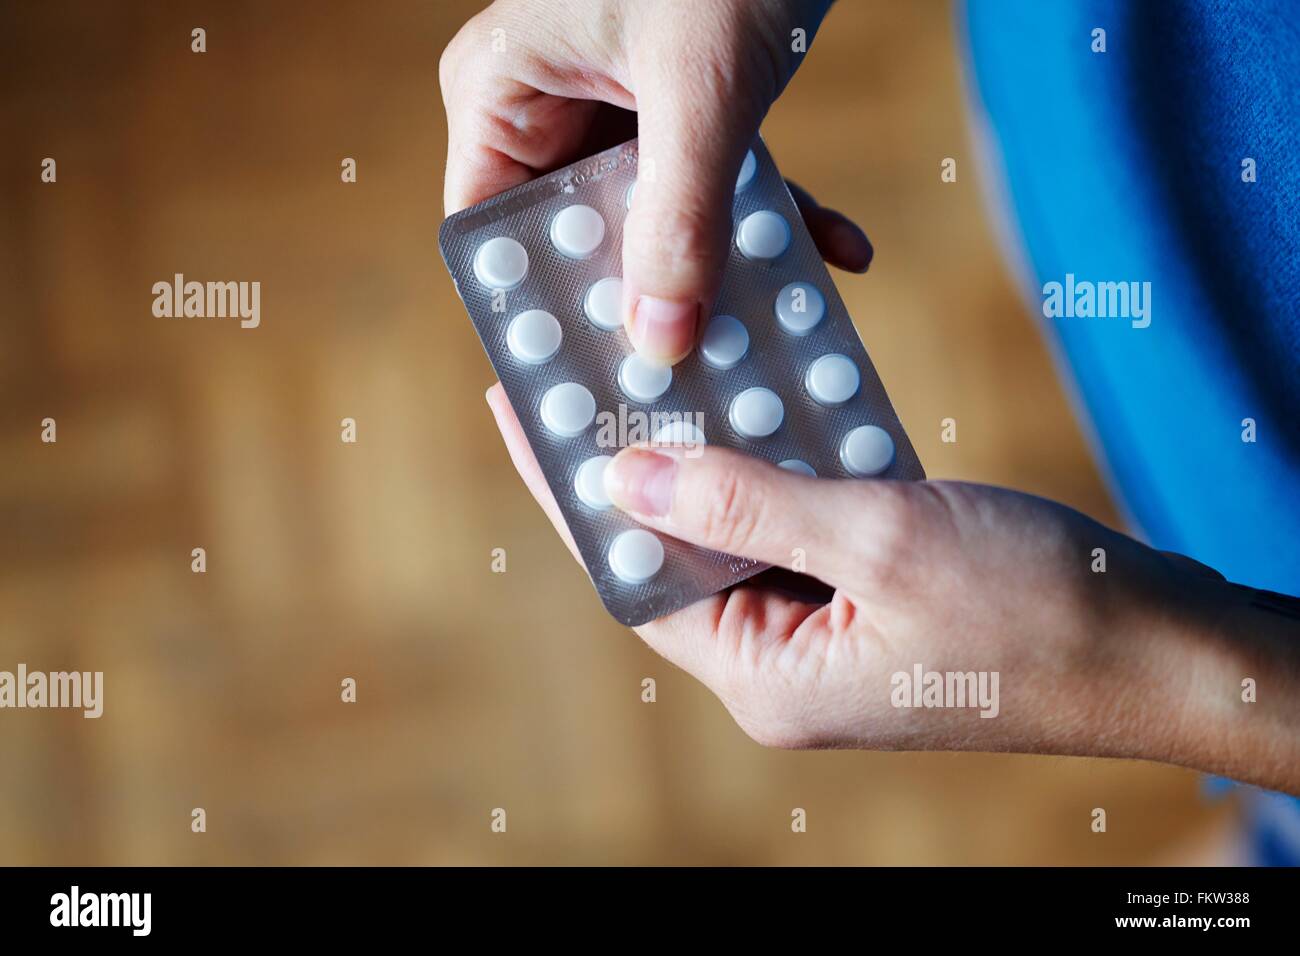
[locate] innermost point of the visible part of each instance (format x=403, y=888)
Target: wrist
x=1203, y=677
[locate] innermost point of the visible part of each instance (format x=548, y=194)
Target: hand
x=1144, y=659
x=531, y=85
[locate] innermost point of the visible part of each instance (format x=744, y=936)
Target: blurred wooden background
x=326, y=560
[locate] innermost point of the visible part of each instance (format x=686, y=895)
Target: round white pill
x=799, y=307
x=567, y=409
x=756, y=412
x=798, y=465
x=832, y=379
x=577, y=231
x=725, y=342
x=679, y=432
x=533, y=336
x=603, y=303
x=867, y=450
x=589, y=482
x=636, y=556
x=747, y=170
x=501, y=263
x=642, y=380
x=763, y=235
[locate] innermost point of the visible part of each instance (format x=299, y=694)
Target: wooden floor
x=476, y=690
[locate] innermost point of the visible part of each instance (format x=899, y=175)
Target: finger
x=695, y=121
x=700, y=638
x=839, y=239
x=712, y=637
x=728, y=501
x=724, y=633
x=525, y=462
x=495, y=143
x=475, y=173
x=479, y=164
x=511, y=113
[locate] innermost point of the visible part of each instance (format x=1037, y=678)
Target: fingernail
x=663, y=329
x=641, y=481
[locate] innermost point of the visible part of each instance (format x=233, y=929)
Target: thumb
x=695, y=122
x=731, y=502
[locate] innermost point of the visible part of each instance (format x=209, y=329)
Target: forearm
x=1214, y=684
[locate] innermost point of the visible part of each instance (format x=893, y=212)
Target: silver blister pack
x=774, y=299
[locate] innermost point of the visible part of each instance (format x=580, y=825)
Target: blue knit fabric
x=1127, y=165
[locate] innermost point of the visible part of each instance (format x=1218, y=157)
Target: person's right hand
x=528, y=86
x=1143, y=659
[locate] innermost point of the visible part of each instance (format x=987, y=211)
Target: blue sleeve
x=1134, y=165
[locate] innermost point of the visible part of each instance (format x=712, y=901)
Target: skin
x=1145, y=660
x=700, y=77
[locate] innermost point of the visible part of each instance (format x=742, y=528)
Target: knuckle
x=781, y=738
x=772, y=731
x=897, y=528
x=888, y=537
x=449, y=63
x=467, y=54
x=767, y=736
x=444, y=68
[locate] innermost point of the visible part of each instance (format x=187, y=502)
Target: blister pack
x=780, y=371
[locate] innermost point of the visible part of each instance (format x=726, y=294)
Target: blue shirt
x=1165, y=150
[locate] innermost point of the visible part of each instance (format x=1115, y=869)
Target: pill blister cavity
x=725, y=342
x=567, y=409
x=832, y=379
x=680, y=432
x=603, y=303
x=501, y=263
x=799, y=307
x=756, y=412
x=866, y=451
x=799, y=466
x=534, y=336
x=747, y=170
x=636, y=556
x=777, y=324
x=763, y=235
x=589, y=483
x=643, y=380
x=577, y=231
